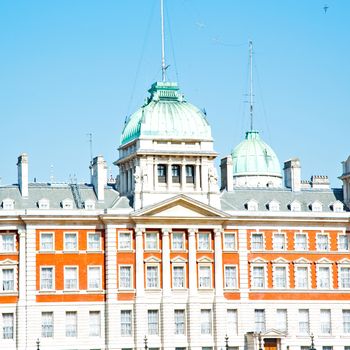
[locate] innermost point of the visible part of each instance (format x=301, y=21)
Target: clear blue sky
x=68, y=68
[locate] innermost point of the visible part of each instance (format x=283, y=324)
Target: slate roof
x=238, y=198
x=56, y=193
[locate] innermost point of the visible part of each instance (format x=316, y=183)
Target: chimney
x=22, y=166
x=99, y=176
x=226, y=173
x=292, y=174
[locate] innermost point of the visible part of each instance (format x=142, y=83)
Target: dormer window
x=89, y=204
x=161, y=173
x=274, y=206
x=8, y=204
x=316, y=206
x=337, y=206
x=252, y=205
x=67, y=204
x=295, y=206
x=44, y=203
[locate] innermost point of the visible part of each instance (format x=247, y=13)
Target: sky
x=70, y=68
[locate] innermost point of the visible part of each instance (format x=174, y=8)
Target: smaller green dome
x=254, y=157
x=166, y=115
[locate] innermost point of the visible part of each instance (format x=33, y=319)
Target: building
x=164, y=253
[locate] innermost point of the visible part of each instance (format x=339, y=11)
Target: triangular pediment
x=204, y=259
x=280, y=260
x=8, y=262
x=274, y=333
x=259, y=261
x=324, y=261
x=302, y=261
x=178, y=259
x=344, y=261
x=181, y=206
x=152, y=259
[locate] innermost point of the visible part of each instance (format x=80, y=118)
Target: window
x=179, y=316
x=205, y=321
x=257, y=242
x=94, y=241
x=323, y=277
x=125, y=323
x=152, y=277
x=8, y=280
x=71, y=278
x=8, y=204
x=259, y=320
x=94, y=277
x=280, y=277
x=230, y=277
x=46, y=278
x=303, y=321
x=189, y=174
x=281, y=319
x=70, y=241
x=203, y=241
x=322, y=242
x=124, y=241
x=204, y=276
x=71, y=324
x=44, y=204
x=252, y=205
x=178, y=276
x=152, y=241
x=346, y=347
x=295, y=206
x=325, y=321
x=47, y=324
x=94, y=323
x=229, y=241
x=7, y=326
x=153, y=322
x=8, y=243
x=327, y=347
x=161, y=173
x=300, y=241
x=178, y=241
x=346, y=321
x=46, y=241
x=175, y=173
x=344, y=242
x=279, y=241
x=301, y=277
x=125, y=281
x=258, y=277
x=232, y=321
x=344, y=277
x=274, y=206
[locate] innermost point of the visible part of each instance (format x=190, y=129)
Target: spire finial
x=164, y=67
x=251, y=101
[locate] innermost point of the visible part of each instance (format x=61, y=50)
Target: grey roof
x=56, y=193
x=238, y=198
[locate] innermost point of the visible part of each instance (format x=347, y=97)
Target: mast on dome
x=251, y=100
x=164, y=66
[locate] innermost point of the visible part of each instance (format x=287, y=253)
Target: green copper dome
x=254, y=157
x=166, y=115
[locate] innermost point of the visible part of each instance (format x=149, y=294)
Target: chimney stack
x=22, y=166
x=226, y=173
x=99, y=176
x=292, y=174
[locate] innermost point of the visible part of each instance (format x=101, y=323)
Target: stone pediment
x=204, y=259
x=152, y=259
x=8, y=262
x=259, y=261
x=178, y=259
x=274, y=333
x=180, y=206
x=302, y=261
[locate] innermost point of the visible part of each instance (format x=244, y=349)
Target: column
x=183, y=175
x=218, y=262
x=21, y=317
x=166, y=261
x=168, y=175
x=192, y=264
x=111, y=287
x=155, y=174
x=140, y=281
x=197, y=177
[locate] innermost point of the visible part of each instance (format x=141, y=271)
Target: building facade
x=163, y=255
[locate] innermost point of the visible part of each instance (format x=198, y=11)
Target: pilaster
x=140, y=284
x=192, y=283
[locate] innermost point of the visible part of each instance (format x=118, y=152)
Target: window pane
x=47, y=324
x=46, y=240
x=94, y=241
x=280, y=277
x=204, y=277
x=179, y=316
x=71, y=324
x=205, y=321
x=258, y=277
x=279, y=241
x=257, y=241
x=125, y=277
x=230, y=241
x=232, y=322
x=94, y=277
x=153, y=322
x=281, y=319
x=151, y=241
x=95, y=323
x=345, y=277
x=8, y=243
x=203, y=241
x=230, y=277
x=152, y=277
x=178, y=277
x=70, y=241
x=303, y=321
x=46, y=281
x=344, y=242
x=300, y=241
x=7, y=326
x=125, y=240
x=70, y=278
x=322, y=242
x=346, y=321
x=301, y=277
x=323, y=277
x=260, y=320
x=178, y=241
x=325, y=321
x=8, y=279
x=125, y=323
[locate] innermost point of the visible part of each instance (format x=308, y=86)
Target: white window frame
x=340, y=248
x=125, y=329
x=295, y=241
x=8, y=331
x=207, y=330
x=346, y=321
x=45, y=333
x=264, y=267
x=201, y=234
x=91, y=332
x=176, y=324
x=201, y=266
x=120, y=247
x=150, y=330
x=88, y=235
x=8, y=267
x=235, y=277
x=274, y=205
x=89, y=268
x=285, y=243
x=279, y=325
x=2, y=245
x=295, y=206
x=252, y=248
x=318, y=281
x=286, y=268
x=234, y=241
x=156, y=265
x=302, y=330
x=252, y=205
x=183, y=241
x=308, y=277
x=53, y=277
x=340, y=267
x=130, y=267
x=44, y=203
x=157, y=241
x=316, y=206
x=183, y=266
x=64, y=277
x=65, y=242
x=71, y=328
x=322, y=234
x=53, y=241
x=232, y=327
x=8, y=204
x=256, y=320
x=326, y=328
